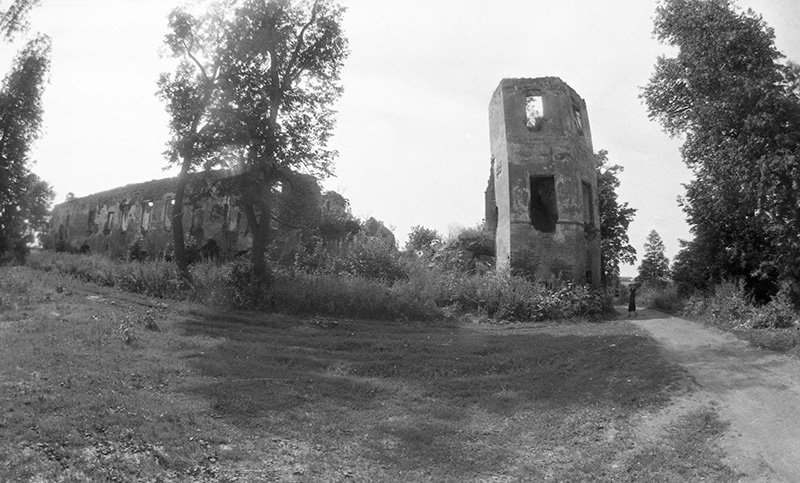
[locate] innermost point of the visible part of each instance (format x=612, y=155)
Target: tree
x=15, y=18
x=615, y=217
x=423, y=240
x=24, y=198
x=654, y=270
x=737, y=105
x=281, y=66
x=189, y=95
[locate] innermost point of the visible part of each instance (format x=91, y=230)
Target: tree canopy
x=615, y=217
x=654, y=270
x=729, y=94
x=190, y=94
x=24, y=198
x=282, y=61
x=259, y=78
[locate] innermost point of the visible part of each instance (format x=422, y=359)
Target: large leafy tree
x=24, y=198
x=615, y=217
x=280, y=76
x=190, y=93
x=654, y=270
x=729, y=94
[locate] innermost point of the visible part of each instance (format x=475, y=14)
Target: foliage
x=615, y=217
x=14, y=19
x=424, y=293
x=281, y=63
x=728, y=93
x=24, y=198
x=664, y=298
x=731, y=306
x=423, y=240
x=189, y=95
x=654, y=270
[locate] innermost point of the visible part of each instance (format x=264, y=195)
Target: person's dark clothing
x=632, y=301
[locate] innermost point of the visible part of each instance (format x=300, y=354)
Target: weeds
x=372, y=289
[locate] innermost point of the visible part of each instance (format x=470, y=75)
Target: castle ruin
x=541, y=202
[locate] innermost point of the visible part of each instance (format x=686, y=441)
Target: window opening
x=544, y=207
x=147, y=209
x=196, y=228
x=109, y=223
x=168, y=205
x=123, y=213
x=588, y=204
x=91, y=226
x=578, y=118
x=534, y=112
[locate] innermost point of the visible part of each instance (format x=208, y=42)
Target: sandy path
x=757, y=391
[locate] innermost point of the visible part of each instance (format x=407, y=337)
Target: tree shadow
x=416, y=384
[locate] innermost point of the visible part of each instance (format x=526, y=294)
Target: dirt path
x=757, y=391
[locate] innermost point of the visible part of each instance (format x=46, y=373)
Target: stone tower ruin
x=541, y=202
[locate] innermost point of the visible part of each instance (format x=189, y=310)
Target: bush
x=664, y=298
x=367, y=291
x=732, y=307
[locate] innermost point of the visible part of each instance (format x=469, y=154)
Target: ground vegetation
x=103, y=385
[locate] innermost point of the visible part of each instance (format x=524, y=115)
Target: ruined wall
x=544, y=181
x=111, y=221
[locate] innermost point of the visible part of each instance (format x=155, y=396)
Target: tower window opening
x=588, y=204
x=544, y=207
x=534, y=112
x=578, y=118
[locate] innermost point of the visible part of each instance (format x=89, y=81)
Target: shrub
x=731, y=306
x=424, y=293
x=664, y=298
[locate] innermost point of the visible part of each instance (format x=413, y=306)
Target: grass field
x=101, y=385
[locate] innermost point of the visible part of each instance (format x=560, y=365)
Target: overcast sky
x=412, y=130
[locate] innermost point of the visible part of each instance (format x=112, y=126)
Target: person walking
x=632, y=302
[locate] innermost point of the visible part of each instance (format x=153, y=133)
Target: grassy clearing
x=102, y=385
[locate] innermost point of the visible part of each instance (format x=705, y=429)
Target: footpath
x=756, y=391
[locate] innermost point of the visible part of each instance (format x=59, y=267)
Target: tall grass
x=426, y=293
x=730, y=306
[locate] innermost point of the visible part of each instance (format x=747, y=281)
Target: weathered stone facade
x=111, y=222
x=541, y=202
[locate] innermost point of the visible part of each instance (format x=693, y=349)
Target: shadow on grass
x=280, y=362
x=416, y=390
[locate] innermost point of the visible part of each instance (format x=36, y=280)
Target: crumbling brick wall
x=113, y=222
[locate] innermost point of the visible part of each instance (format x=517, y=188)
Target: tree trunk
x=259, y=221
x=177, y=223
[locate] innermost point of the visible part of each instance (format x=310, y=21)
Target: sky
x=412, y=131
